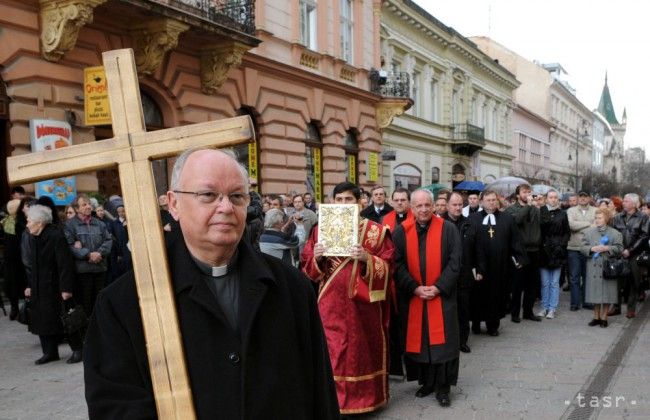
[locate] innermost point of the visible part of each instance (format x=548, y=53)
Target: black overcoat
x=277, y=366
x=50, y=271
x=490, y=297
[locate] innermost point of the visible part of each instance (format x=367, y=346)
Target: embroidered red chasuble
x=354, y=310
x=436, y=331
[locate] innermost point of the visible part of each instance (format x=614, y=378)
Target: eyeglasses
x=210, y=197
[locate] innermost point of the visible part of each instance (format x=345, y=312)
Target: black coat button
x=233, y=358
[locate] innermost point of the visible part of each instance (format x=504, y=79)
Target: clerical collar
x=214, y=271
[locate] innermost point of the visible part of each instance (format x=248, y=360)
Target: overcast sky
x=587, y=37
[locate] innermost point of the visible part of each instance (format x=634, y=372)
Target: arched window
x=351, y=156
x=457, y=174
x=314, y=169
x=407, y=176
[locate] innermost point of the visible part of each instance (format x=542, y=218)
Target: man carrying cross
x=253, y=339
x=497, y=249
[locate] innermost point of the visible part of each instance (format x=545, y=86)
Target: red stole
x=390, y=220
x=434, y=268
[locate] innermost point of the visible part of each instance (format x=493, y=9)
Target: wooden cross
x=132, y=150
x=491, y=232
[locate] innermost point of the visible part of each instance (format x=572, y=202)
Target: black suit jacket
x=370, y=213
x=276, y=366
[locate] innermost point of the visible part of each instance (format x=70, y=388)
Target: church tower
x=613, y=156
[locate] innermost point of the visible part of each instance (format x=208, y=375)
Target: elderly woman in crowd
x=600, y=243
x=274, y=241
x=50, y=278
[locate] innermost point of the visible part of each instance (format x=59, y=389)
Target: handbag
x=615, y=268
x=643, y=259
x=73, y=319
x=25, y=312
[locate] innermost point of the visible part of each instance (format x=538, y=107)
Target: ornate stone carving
x=60, y=24
x=152, y=40
x=216, y=62
x=389, y=108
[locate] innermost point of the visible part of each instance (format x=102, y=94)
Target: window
x=313, y=149
x=495, y=122
x=415, y=91
x=346, y=30
x=454, y=107
x=351, y=156
x=435, y=175
x=434, y=100
x=308, y=24
x=407, y=176
x=247, y=153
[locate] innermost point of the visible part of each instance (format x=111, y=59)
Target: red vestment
x=354, y=310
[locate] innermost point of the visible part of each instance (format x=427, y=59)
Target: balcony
x=234, y=14
x=389, y=84
x=467, y=139
x=395, y=92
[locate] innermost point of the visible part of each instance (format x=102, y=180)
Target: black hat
x=583, y=194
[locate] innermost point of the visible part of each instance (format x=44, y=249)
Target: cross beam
x=131, y=150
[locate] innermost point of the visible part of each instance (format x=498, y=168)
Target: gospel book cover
x=338, y=228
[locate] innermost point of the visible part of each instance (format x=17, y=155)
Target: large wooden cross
x=132, y=149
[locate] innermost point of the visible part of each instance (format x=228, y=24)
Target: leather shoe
x=532, y=317
x=515, y=319
x=494, y=333
x=46, y=358
x=614, y=310
x=13, y=313
x=630, y=314
x=574, y=308
x=75, y=358
x=476, y=329
x=424, y=391
x=603, y=324
x=594, y=322
x=465, y=348
x=443, y=399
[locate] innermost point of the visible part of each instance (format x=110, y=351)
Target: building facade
x=544, y=92
x=459, y=127
x=300, y=69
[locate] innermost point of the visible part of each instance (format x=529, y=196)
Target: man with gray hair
x=275, y=242
x=253, y=339
x=633, y=225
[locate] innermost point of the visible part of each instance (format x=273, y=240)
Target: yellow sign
x=96, y=105
x=318, y=186
x=352, y=168
x=372, y=167
x=252, y=165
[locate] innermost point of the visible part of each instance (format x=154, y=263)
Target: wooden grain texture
x=132, y=150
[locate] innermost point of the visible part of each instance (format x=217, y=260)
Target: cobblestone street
x=544, y=370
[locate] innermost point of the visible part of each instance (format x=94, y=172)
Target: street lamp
x=585, y=133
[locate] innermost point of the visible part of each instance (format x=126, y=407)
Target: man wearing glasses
x=253, y=339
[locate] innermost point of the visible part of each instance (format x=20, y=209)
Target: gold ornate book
x=338, y=228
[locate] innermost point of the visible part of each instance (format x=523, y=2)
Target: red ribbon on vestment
x=433, y=270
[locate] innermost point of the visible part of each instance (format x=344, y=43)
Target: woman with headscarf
x=50, y=280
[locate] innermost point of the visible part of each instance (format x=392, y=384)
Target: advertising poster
x=51, y=135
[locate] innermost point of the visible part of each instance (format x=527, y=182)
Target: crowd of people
x=266, y=312
x=56, y=259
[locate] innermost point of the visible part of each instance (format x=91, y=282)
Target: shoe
x=630, y=314
x=542, y=313
x=476, y=329
x=550, y=314
x=574, y=308
x=532, y=317
x=443, y=399
x=515, y=319
x=13, y=314
x=594, y=322
x=587, y=306
x=603, y=324
x=424, y=391
x=565, y=289
x=465, y=348
x=75, y=358
x=46, y=359
x=614, y=310
x=493, y=333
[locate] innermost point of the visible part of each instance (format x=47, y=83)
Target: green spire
x=605, y=106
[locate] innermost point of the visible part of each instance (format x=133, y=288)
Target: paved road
x=532, y=370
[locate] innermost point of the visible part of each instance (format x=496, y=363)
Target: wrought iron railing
x=234, y=14
x=464, y=132
x=389, y=84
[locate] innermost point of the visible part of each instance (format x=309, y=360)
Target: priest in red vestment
x=352, y=301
